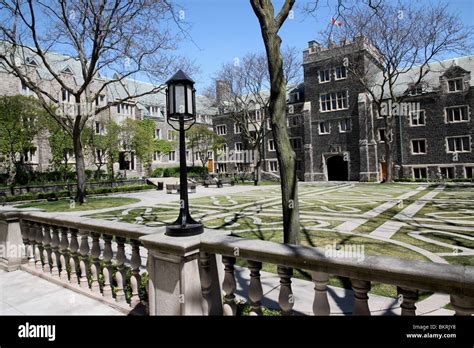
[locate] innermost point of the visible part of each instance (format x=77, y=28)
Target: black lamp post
x=181, y=115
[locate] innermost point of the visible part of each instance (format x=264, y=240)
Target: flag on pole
x=335, y=22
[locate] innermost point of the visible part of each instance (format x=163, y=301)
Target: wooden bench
x=219, y=183
x=227, y=181
x=208, y=183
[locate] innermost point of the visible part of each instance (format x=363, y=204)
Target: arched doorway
x=338, y=169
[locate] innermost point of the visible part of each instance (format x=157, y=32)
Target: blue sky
x=226, y=29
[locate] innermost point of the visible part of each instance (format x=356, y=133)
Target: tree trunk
x=80, y=164
x=110, y=168
x=97, y=172
x=286, y=155
x=11, y=174
x=388, y=161
x=258, y=169
x=388, y=148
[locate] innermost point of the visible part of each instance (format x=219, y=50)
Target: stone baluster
x=107, y=271
x=462, y=305
x=285, y=298
x=120, y=259
x=205, y=268
x=148, y=285
x=38, y=246
x=32, y=240
x=55, y=251
x=229, y=286
x=95, y=266
x=135, y=263
x=74, y=259
x=361, y=304
x=408, y=298
x=84, y=259
x=63, y=246
x=321, y=303
x=255, y=288
x=25, y=235
x=47, y=248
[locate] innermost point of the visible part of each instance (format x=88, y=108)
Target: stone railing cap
x=181, y=246
x=453, y=279
x=114, y=228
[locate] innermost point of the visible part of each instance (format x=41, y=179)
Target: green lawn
x=64, y=205
x=402, y=236
x=251, y=183
x=324, y=208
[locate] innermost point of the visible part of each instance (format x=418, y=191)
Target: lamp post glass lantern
x=181, y=115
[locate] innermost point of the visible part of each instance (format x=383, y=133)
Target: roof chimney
x=223, y=90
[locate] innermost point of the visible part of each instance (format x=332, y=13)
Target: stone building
x=238, y=155
x=150, y=106
x=331, y=120
x=342, y=137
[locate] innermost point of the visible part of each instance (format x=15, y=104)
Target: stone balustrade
x=197, y=275
x=97, y=258
x=409, y=276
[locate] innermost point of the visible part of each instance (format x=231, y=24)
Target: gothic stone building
x=151, y=106
x=237, y=157
x=342, y=137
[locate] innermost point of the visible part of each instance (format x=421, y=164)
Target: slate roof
x=114, y=91
x=431, y=81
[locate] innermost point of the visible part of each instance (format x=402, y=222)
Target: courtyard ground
x=432, y=223
x=415, y=221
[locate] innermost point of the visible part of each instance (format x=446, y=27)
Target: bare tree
x=270, y=26
x=246, y=97
x=403, y=39
x=126, y=39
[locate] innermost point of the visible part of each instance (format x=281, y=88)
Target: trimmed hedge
x=53, y=177
x=174, y=172
x=65, y=193
x=24, y=197
x=157, y=173
x=171, y=172
x=430, y=181
x=93, y=174
x=197, y=171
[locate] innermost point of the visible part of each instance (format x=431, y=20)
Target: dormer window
x=455, y=85
x=124, y=109
x=67, y=70
x=294, y=97
x=100, y=100
x=155, y=111
x=415, y=90
x=31, y=61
